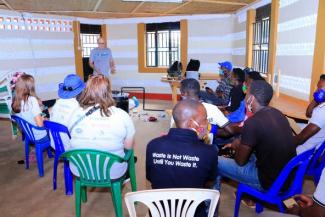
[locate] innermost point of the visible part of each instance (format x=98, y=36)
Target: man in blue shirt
x=101, y=59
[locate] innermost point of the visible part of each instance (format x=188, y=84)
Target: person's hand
x=303, y=200
x=229, y=145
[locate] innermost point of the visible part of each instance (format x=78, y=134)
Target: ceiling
x=117, y=8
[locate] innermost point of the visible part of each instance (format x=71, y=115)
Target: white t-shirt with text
x=61, y=113
x=214, y=116
x=102, y=133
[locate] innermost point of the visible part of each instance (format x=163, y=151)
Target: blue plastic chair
x=40, y=145
x=317, y=164
x=274, y=194
x=55, y=130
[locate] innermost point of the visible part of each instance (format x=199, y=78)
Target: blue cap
x=227, y=65
x=71, y=87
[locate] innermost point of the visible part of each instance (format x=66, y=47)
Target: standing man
x=101, y=59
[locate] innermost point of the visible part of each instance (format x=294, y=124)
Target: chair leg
x=117, y=198
x=39, y=157
x=78, y=197
x=84, y=194
x=281, y=207
x=55, y=171
x=237, y=204
x=68, y=179
x=133, y=176
x=49, y=152
x=26, y=154
x=259, y=207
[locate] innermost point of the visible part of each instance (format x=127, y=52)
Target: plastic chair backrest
x=55, y=130
x=26, y=127
x=93, y=166
x=172, y=202
x=320, y=152
x=298, y=164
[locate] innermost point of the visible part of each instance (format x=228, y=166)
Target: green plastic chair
x=94, y=169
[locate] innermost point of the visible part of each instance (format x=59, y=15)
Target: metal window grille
x=88, y=42
x=261, y=45
x=162, y=46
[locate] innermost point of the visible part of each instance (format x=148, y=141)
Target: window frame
x=261, y=26
x=142, y=56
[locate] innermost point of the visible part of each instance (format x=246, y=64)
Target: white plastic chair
x=180, y=202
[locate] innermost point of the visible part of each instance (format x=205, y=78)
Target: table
x=175, y=83
x=290, y=106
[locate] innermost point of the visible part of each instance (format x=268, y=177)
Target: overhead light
x=157, y=1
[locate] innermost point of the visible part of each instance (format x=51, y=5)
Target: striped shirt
x=225, y=87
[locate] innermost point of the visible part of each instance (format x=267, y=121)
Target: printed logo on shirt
x=175, y=160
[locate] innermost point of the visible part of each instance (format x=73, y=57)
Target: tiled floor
x=24, y=194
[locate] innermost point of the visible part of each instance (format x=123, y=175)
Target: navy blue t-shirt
x=180, y=160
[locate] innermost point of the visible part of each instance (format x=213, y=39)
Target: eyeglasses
x=67, y=88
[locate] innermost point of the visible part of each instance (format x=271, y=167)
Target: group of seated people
x=87, y=110
x=262, y=143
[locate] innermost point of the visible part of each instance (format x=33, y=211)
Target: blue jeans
x=212, y=99
x=246, y=174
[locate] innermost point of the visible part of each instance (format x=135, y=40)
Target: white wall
x=47, y=54
x=211, y=39
x=295, y=45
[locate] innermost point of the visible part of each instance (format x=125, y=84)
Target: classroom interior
x=50, y=40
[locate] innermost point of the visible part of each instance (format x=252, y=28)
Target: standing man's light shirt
x=101, y=59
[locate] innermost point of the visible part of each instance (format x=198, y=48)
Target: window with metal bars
x=88, y=42
x=261, y=38
x=162, y=44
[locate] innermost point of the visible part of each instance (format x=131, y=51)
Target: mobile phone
x=290, y=202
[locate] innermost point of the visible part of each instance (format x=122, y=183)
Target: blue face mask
x=319, y=96
x=221, y=72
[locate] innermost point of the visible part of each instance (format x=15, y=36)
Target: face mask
x=221, y=72
x=319, y=96
x=244, y=88
x=200, y=131
x=249, y=104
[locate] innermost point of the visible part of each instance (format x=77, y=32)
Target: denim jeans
x=212, y=99
x=246, y=174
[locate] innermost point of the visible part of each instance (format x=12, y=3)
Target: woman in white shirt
x=107, y=128
x=27, y=105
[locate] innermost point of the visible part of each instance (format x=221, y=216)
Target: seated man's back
x=269, y=134
x=180, y=159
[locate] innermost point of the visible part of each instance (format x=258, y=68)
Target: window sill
x=153, y=69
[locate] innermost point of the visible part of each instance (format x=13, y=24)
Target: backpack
x=175, y=70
